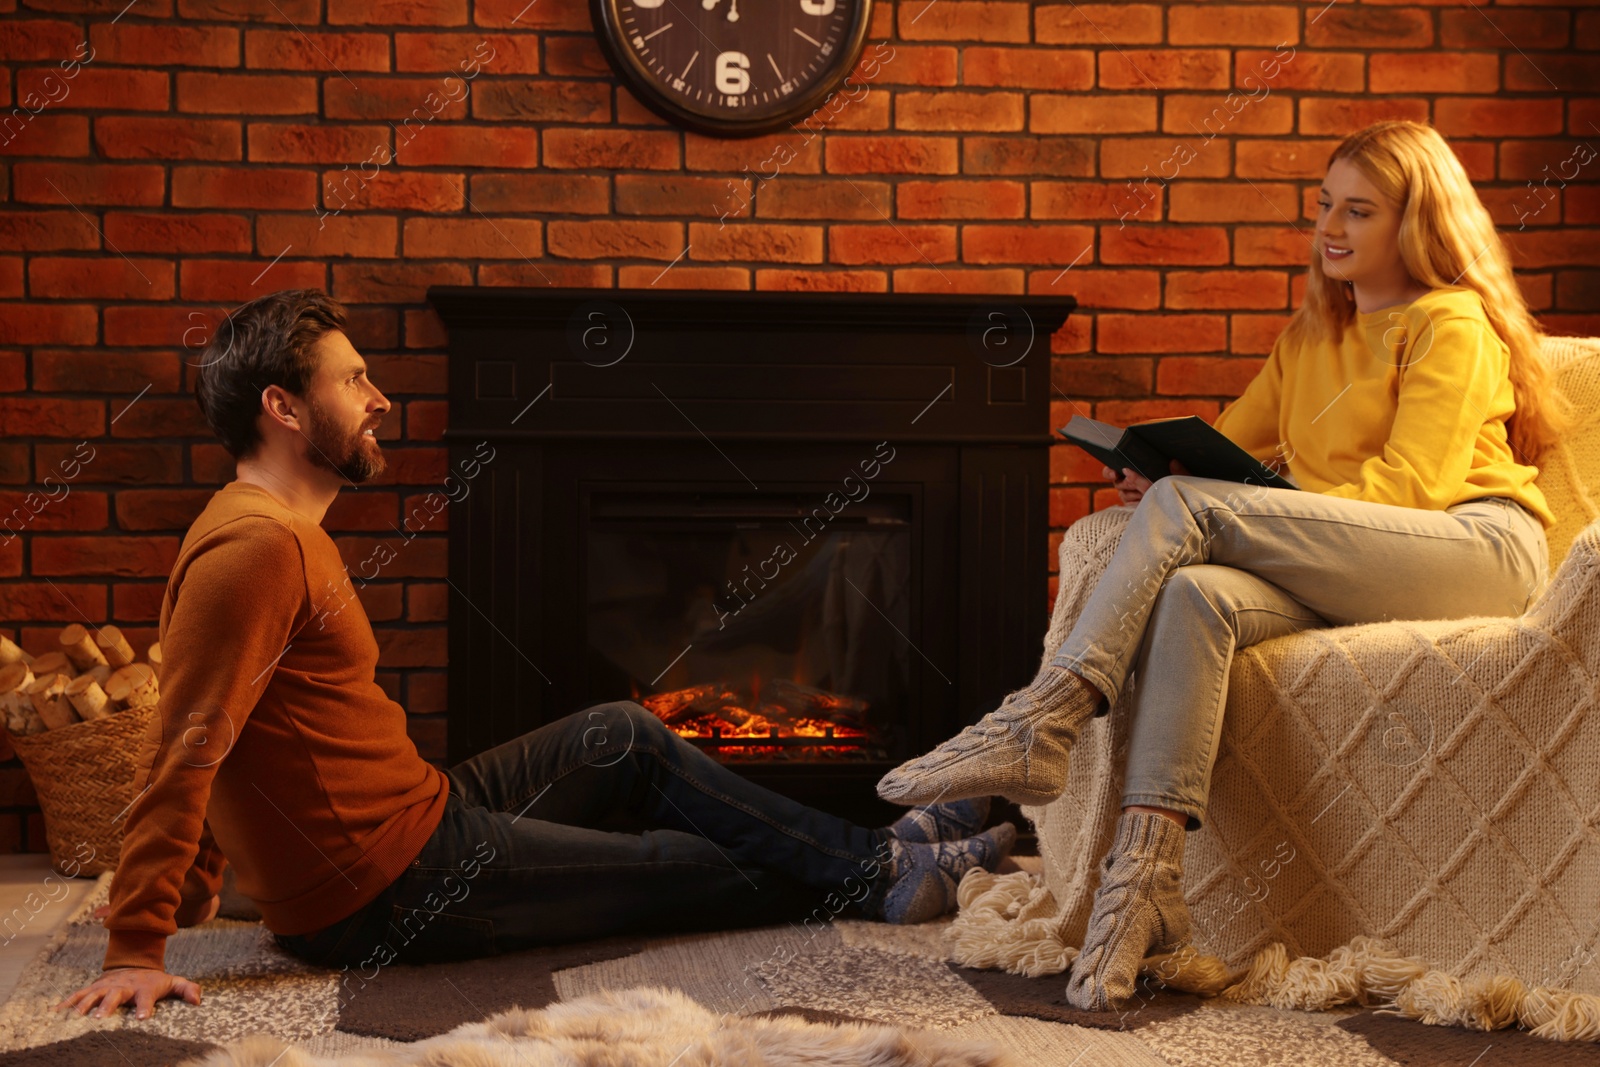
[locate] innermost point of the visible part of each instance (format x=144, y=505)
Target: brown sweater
x=274, y=745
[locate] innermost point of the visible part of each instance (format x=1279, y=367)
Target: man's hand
x=1131, y=485
x=140, y=985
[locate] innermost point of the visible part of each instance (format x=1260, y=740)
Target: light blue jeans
x=1207, y=566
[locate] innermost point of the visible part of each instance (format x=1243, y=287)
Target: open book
x=1148, y=447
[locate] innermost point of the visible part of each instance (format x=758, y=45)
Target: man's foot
x=1020, y=750
x=1138, y=909
x=942, y=822
x=921, y=880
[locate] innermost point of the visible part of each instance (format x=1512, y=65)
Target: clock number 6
x=817, y=7
x=733, y=73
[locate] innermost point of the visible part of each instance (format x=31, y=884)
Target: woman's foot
x=1020, y=750
x=1138, y=909
x=942, y=822
x=921, y=880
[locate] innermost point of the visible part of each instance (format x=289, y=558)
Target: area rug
x=841, y=972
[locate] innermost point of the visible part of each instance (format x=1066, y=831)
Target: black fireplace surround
x=808, y=530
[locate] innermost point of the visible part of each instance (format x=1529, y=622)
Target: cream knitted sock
x=1139, y=907
x=1020, y=750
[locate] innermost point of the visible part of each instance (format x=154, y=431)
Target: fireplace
x=807, y=531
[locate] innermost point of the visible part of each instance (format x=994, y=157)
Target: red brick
x=46, y=231
x=88, y=183
x=1032, y=245
x=1233, y=25
x=1232, y=202
x=287, y=143
x=1545, y=248
x=1325, y=72
x=1227, y=289
x=891, y=244
x=892, y=155
x=781, y=153
x=1205, y=375
x=469, y=54
x=66, y=370
x=138, y=601
x=40, y=39
x=1491, y=117
x=571, y=15
x=426, y=691
x=51, y=602
x=300, y=12
x=1027, y=68
x=160, y=509
x=148, y=137
x=417, y=100
x=1052, y=157
x=132, y=232
x=1436, y=72
x=422, y=191
x=1340, y=116
x=119, y=90
x=1297, y=158
x=541, y=100
x=315, y=51
x=364, y=510
x=100, y=278
x=38, y=417
x=426, y=420
x=1255, y=334
x=469, y=144
x=759, y=242
x=919, y=65
x=1009, y=282
x=1124, y=412
x=680, y=276
x=11, y=279
x=1097, y=24
x=1095, y=200
x=578, y=56
x=1477, y=157
x=232, y=281
x=248, y=94
x=960, y=200
x=283, y=189
x=398, y=12
x=1067, y=506
x=1164, y=68
x=122, y=557
x=965, y=20
x=1156, y=158
x=153, y=417
x=1164, y=245
x=472, y=238
x=588, y=195
x=394, y=283
x=424, y=329
x=1235, y=114
x=409, y=373
x=362, y=236
x=119, y=464
x=950, y=110
x=602, y=149
x=1548, y=72
x=43, y=509
x=1095, y=113
x=1088, y=376
x=43, y=135
x=47, y=324
x=554, y=275
x=1364, y=26
x=1275, y=246
x=1477, y=27
x=616, y=238
x=822, y=281
x=156, y=45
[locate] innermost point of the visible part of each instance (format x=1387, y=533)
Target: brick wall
x=1153, y=159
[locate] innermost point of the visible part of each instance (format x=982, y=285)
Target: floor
x=34, y=902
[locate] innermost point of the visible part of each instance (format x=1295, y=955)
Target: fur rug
x=644, y=1027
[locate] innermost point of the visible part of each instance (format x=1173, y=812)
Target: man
x=275, y=747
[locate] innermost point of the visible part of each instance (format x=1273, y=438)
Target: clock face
x=733, y=66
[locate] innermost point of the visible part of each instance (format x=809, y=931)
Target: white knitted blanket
x=1432, y=784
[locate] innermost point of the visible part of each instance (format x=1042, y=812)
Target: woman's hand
x=1131, y=485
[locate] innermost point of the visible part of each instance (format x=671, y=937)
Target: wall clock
x=732, y=68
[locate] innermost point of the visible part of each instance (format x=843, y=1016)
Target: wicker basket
x=83, y=774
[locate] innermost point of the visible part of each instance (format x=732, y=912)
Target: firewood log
x=134, y=686
x=11, y=653
x=100, y=672
x=88, y=698
x=152, y=656
x=54, y=663
x=78, y=644
x=114, y=648
x=21, y=717
x=49, y=699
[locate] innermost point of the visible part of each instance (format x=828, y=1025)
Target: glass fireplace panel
x=761, y=627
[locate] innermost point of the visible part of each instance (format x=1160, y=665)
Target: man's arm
x=238, y=605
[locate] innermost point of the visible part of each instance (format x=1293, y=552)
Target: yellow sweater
x=1409, y=408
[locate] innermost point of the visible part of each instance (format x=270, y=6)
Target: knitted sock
x=1138, y=907
x=1020, y=750
x=920, y=880
x=942, y=822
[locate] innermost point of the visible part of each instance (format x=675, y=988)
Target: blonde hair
x=1447, y=240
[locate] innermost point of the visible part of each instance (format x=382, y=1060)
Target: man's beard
x=347, y=456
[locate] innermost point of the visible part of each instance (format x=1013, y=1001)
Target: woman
x=1408, y=401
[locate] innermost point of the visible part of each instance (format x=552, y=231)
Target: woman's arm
x=1251, y=421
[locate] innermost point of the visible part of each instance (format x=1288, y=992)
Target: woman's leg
x=1348, y=561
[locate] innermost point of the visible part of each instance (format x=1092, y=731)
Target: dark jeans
x=604, y=822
